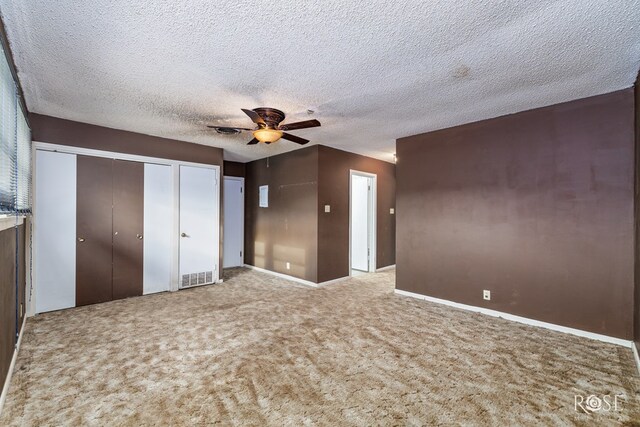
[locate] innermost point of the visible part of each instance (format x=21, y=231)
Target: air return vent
x=227, y=131
x=195, y=279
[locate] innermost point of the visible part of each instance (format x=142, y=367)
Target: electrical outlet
x=327, y=208
x=288, y=266
x=392, y=211
x=486, y=295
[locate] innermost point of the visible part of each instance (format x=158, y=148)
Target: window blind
x=15, y=147
x=23, y=182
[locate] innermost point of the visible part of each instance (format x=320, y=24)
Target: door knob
x=139, y=236
x=80, y=239
x=184, y=235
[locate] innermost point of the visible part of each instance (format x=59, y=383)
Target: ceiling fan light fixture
x=267, y=135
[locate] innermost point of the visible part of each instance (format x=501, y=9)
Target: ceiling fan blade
x=253, y=142
x=255, y=117
x=294, y=138
x=227, y=127
x=300, y=125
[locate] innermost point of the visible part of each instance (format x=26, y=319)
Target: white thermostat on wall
x=264, y=196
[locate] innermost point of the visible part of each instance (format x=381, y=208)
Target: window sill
x=9, y=221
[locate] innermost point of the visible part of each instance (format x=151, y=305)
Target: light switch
x=327, y=208
x=392, y=211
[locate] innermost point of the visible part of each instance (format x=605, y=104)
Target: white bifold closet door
x=158, y=227
x=54, y=231
x=199, y=225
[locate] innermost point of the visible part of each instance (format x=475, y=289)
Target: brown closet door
x=93, y=230
x=128, y=218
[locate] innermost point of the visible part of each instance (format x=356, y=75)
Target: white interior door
x=360, y=218
x=199, y=225
x=54, y=231
x=158, y=227
x=233, y=245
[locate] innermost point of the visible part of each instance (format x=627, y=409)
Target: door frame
x=175, y=165
x=241, y=179
x=373, y=203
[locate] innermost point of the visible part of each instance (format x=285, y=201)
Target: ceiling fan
x=269, y=128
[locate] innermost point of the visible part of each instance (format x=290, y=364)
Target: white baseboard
x=636, y=355
x=388, y=267
x=283, y=276
x=334, y=281
x=520, y=319
x=7, y=381
x=296, y=279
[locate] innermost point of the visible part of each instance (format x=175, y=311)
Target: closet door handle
x=80, y=239
x=139, y=236
x=184, y=235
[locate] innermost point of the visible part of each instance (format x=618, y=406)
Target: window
x=15, y=147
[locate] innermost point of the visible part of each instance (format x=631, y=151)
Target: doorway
x=362, y=222
x=233, y=237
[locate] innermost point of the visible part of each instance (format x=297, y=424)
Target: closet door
x=199, y=236
x=94, y=230
x=158, y=227
x=233, y=222
x=54, y=231
x=128, y=228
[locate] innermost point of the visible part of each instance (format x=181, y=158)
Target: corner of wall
x=636, y=297
x=294, y=179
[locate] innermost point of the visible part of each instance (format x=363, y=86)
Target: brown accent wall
x=536, y=207
x=333, y=227
x=287, y=230
x=77, y=134
x=8, y=307
x=22, y=269
x=295, y=228
x=235, y=169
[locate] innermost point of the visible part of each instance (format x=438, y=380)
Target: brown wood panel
x=7, y=299
x=22, y=270
x=94, y=225
x=128, y=218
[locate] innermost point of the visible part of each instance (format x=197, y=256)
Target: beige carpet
x=257, y=350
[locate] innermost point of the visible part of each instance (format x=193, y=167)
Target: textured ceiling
x=373, y=70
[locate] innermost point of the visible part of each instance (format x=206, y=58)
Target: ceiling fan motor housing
x=271, y=116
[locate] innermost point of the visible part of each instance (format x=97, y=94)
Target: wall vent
x=195, y=279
